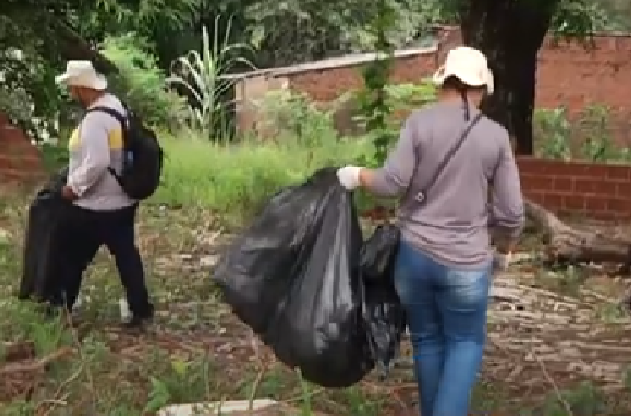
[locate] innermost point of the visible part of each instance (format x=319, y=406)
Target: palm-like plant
x=203, y=75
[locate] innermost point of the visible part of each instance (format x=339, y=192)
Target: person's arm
x=395, y=175
x=507, y=207
x=94, y=153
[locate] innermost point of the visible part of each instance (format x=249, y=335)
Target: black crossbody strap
x=420, y=197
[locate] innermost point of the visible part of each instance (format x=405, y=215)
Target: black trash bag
x=294, y=278
x=384, y=316
x=41, y=268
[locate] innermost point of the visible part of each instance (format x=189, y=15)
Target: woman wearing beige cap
x=447, y=156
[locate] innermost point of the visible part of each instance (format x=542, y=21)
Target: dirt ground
x=557, y=340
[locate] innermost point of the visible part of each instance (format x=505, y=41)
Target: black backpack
x=142, y=155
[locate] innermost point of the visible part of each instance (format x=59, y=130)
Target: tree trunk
x=510, y=33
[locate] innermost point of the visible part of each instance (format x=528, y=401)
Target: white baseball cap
x=467, y=64
x=82, y=74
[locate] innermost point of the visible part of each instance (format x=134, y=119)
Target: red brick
x=20, y=161
x=529, y=165
x=535, y=196
x=618, y=205
x=604, y=215
x=537, y=182
x=549, y=167
x=623, y=189
x=619, y=172
x=574, y=202
x=595, y=204
x=26, y=164
x=564, y=184
x=554, y=200
x=595, y=186
x=10, y=175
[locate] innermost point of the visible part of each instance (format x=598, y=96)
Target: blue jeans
x=446, y=309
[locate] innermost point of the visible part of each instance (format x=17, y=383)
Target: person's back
x=444, y=263
x=88, y=157
x=452, y=224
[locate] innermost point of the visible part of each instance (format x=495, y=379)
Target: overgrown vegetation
x=588, y=137
x=198, y=351
x=173, y=63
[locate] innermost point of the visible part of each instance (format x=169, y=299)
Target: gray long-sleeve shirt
x=96, y=145
x=452, y=225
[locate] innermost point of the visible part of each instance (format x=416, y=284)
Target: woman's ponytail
x=455, y=83
x=462, y=89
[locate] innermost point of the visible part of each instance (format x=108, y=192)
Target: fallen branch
x=35, y=365
x=566, y=244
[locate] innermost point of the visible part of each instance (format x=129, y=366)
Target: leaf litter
x=540, y=340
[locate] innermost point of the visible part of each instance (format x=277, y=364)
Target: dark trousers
x=83, y=233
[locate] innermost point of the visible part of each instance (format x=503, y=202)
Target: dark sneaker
x=137, y=322
x=140, y=321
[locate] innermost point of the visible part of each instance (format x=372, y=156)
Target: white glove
x=502, y=261
x=349, y=177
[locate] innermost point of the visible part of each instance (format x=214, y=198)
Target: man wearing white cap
x=446, y=157
x=102, y=213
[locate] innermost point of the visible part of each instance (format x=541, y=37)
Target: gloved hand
x=502, y=261
x=349, y=177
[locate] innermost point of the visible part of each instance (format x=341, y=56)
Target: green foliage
x=29, y=107
x=586, y=400
x=403, y=98
x=141, y=83
x=590, y=139
x=373, y=99
x=552, y=132
x=235, y=179
x=584, y=17
x=298, y=31
x=286, y=114
x=597, y=144
x=203, y=75
x=12, y=103
x=177, y=381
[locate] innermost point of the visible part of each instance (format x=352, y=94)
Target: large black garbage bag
x=384, y=315
x=41, y=268
x=294, y=278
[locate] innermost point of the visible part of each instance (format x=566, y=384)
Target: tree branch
x=72, y=47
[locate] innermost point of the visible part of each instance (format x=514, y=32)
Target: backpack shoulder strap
x=110, y=111
x=123, y=122
x=448, y=156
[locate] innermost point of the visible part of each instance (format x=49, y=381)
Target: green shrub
x=400, y=100
x=141, y=83
x=407, y=97
x=552, y=132
x=202, y=75
x=235, y=179
x=285, y=113
x=589, y=139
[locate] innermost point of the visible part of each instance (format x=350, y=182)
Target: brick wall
x=590, y=190
x=20, y=161
x=569, y=73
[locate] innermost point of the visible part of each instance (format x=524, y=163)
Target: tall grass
x=236, y=179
